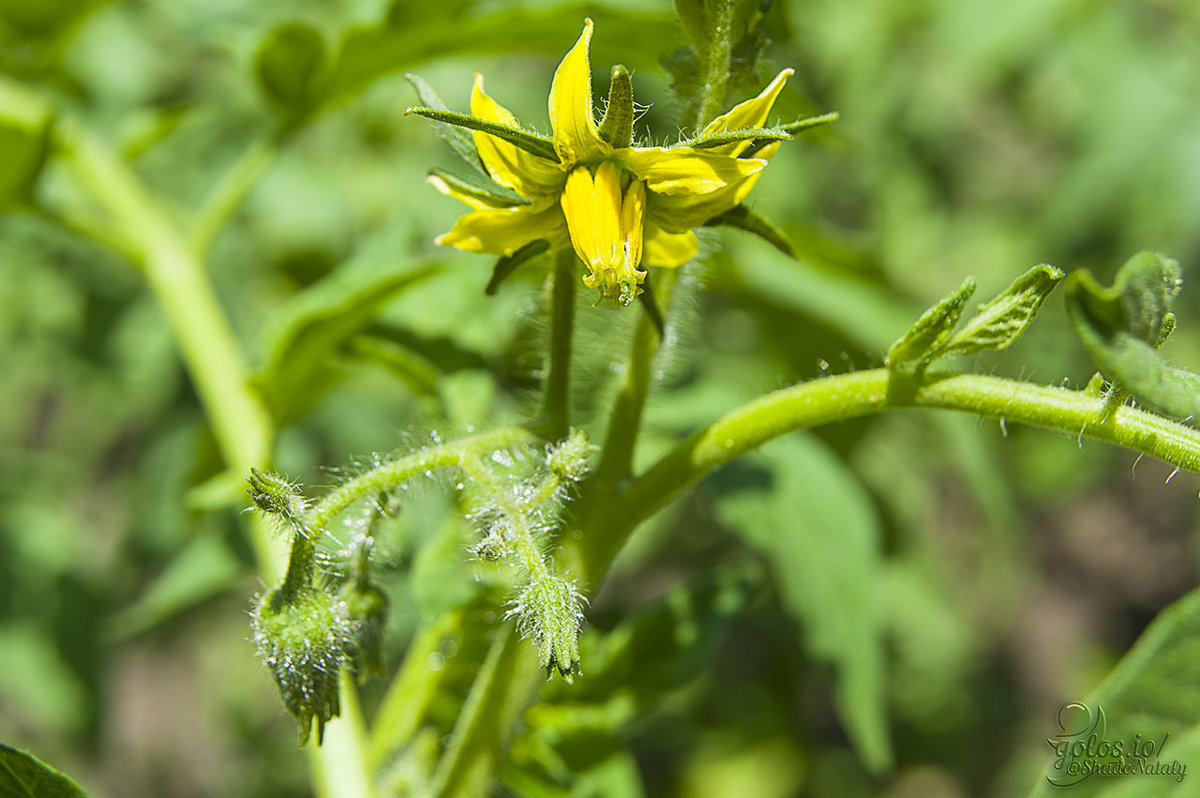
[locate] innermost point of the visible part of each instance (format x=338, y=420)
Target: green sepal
x=793, y=128
x=291, y=65
x=925, y=340
x=1000, y=322
x=745, y=219
x=459, y=140
x=1122, y=327
x=491, y=193
x=532, y=143
x=765, y=135
x=617, y=126
x=509, y=263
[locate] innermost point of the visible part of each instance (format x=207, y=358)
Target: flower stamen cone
x=606, y=224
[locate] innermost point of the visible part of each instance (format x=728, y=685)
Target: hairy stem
x=864, y=393
x=519, y=532
x=715, y=80
x=389, y=475
x=624, y=423
x=557, y=403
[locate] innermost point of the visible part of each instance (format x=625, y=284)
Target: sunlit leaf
x=926, y=339
x=1000, y=322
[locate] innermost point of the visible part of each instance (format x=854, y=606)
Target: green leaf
x=204, y=568
x=661, y=647
x=1122, y=326
x=818, y=530
x=316, y=324
x=745, y=219
x=926, y=339
x=41, y=18
x=1000, y=322
x=1153, y=692
x=290, y=64
x=22, y=775
x=533, y=143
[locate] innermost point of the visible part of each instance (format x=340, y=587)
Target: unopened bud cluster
x=516, y=514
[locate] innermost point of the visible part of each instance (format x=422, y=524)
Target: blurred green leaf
x=41, y=17
x=289, y=66
x=22, y=775
x=1122, y=326
x=926, y=339
x=316, y=325
x=1000, y=322
x=368, y=53
x=666, y=644
x=817, y=527
x=202, y=569
x=1152, y=692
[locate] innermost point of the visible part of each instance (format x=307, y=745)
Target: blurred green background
x=977, y=577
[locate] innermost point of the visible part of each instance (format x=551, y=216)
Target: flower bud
x=275, y=495
x=568, y=459
x=301, y=637
x=550, y=613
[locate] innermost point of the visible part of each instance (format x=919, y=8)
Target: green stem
x=411, y=691
x=390, y=475
x=558, y=367
x=210, y=352
x=505, y=686
x=519, y=532
x=624, y=423
x=339, y=765
x=864, y=393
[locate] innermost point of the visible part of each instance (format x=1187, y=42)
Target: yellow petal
x=751, y=113
x=576, y=138
x=502, y=231
x=682, y=170
x=605, y=224
x=682, y=212
x=668, y=249
x=508, y=164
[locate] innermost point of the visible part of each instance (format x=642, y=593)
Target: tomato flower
x=621, y=207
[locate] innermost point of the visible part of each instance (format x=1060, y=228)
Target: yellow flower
x=621, y=207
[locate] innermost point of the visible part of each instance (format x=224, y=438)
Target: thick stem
x=864, y=393
x=557, y=403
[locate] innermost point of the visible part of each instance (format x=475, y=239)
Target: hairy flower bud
x=550, y=612
x=302, y=638
x=276, y=496
x=568, y=459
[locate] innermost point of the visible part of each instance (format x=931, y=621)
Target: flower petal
x=502, y=231
x=751, y=113
x=576, y=138
x=661, y=248
x=681, y=212
x=682, y=170
x=508, y=164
